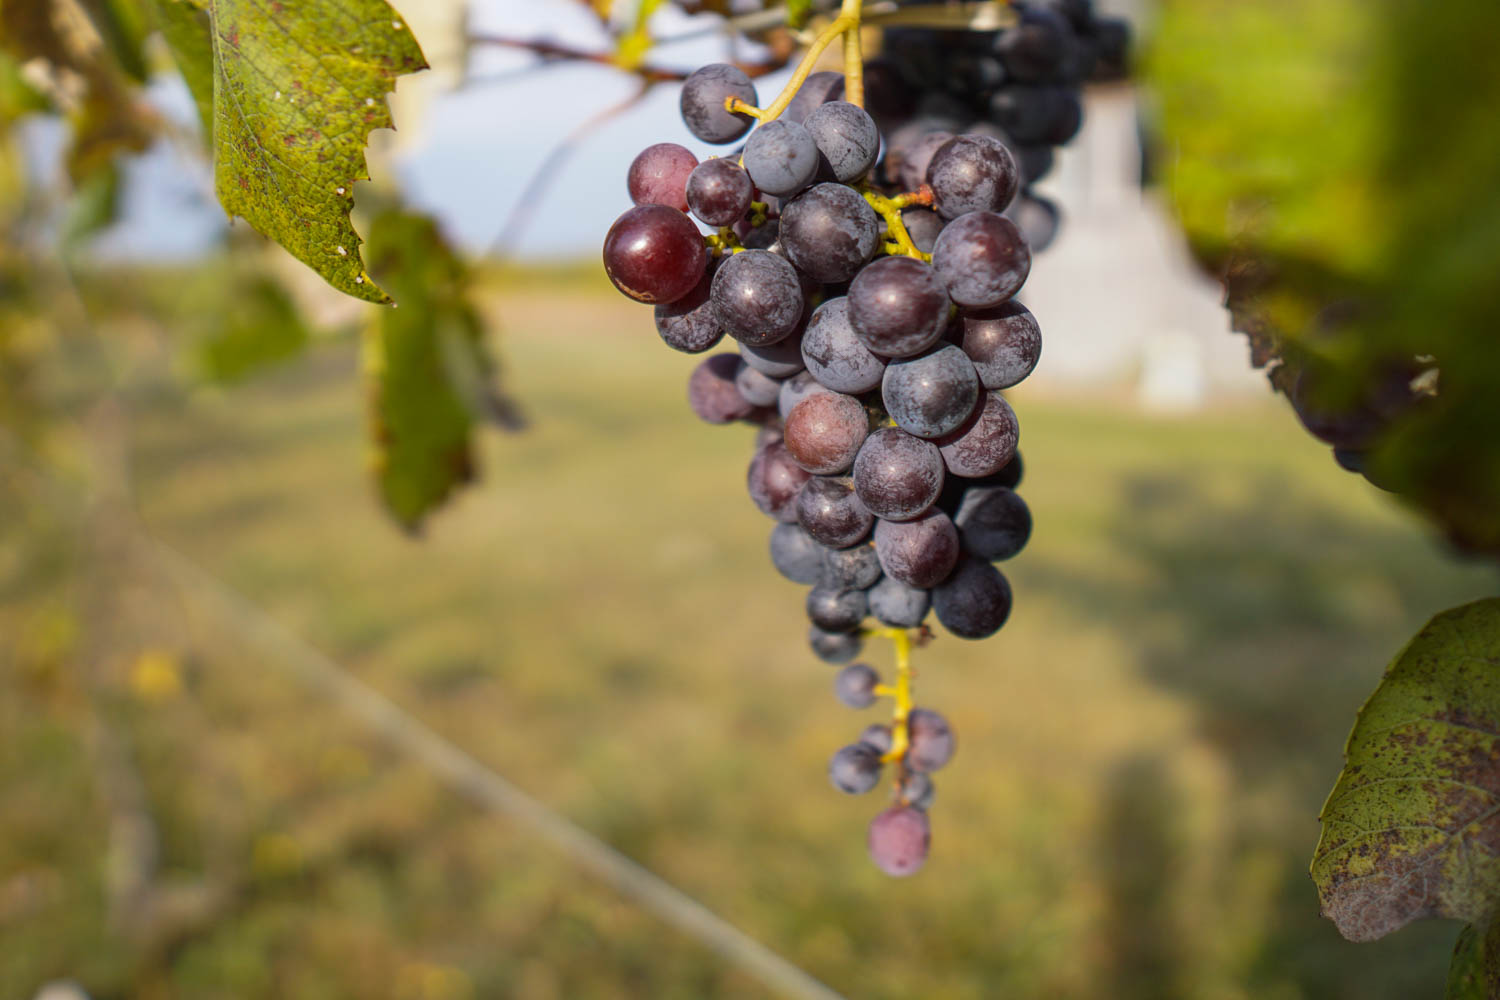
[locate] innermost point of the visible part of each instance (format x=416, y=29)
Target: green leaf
x=94, y=206
x=298, y=87
x=1412, y=828
x=1466, y=971
x=263, y=329
x=188, y=33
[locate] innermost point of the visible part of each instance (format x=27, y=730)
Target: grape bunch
x=876, y=328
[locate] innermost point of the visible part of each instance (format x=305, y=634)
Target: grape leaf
x=298, y=87
x=1467, y=973
x=1412, y=828
x=189, y=36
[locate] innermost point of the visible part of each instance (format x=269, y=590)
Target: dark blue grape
x=923, y=226
x=855, y=769
x=920, y=553
x=1038, y=219
x=898, y=306
x=829, y=232
x=834, y=610
x=689, y=324
x=774, y=481
x=712, y=393
x=817, y=89
x=781, y=158
x=1036, y=48
x=829, y=511
x=834, y=647
x=897, y=604
x=985, y=443
x=856, y=567
x=932, y=394
x=780, y=360
x=702, y=103
x=974, y=602
x=982, y=259
x=898, y=476
x=847, y=138
x=719, y=191
x=993, y=523
x=834, y=353
x=1004, y=343
x=972, y=173
x=756, y=386
x=930, y=739
x=795, y=555
x=757, y=297
x=855, y=686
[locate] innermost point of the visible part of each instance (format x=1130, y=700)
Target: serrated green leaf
x=298, y=87
x=1412, y=828
x=188, y=33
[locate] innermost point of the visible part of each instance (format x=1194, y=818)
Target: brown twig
x=557, y=52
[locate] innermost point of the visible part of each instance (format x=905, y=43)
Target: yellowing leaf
x=298, y=87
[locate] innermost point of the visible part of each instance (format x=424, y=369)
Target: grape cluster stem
x=900, y=692
x=845, y=26
x=889, y=210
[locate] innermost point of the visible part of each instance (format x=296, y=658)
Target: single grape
x=795, y=555
x=658, y=175
x=654, y=254
x=878, y=736
x=916, y=789
x=899, y=839
x=931, y=740
x=688, y=325
x=756, y=386
x=834, y=647
x=834, y=353
x=1038, y=219
x=897, y=306
x=1036, y=47
x=855, y=769
x=774, y=480
x=1027, y=111
x=897, y=604
x=1004, y=343
x=780, y=360
x=920, y=553
x=985, y=442
x=829, y=511
x=923, y=226
x=855, y=686
x=1112, y=44
x=817, y=89
x=993, y=523
x=795, y=389
x=712, y=393
x=702, y=103
x=829, y=231
x=972, y=173
x=719, y=192
x=974, y=602
x=834, y=610
x=757, y=297
x=856, y=567
x=897, y=476
x=912, y=173
x=781, y=158
x=847, y=138
x=825, y=431
x=982, y=259
x=1035, y=162
x=932, y=394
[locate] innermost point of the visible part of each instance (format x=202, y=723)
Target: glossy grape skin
x=931, y=740
x=781, y=158
x=834, y=610
x=825, y=431
x=719, y=192
x=829, y=232
x=829, y=511
x=847, y=138
x=974, y=602
x=985, y=443
x=658, y=175
x=834, y=353
x=855, y=769
x=795, y=555
x=1004, y=343
x=898, y=307
x=897, y=604
x=920, y=553
x=702, y=103
x=654, y=254
x=756, y=386
x=923, y=226
x=855, y=686
x=757, y=297
x=834, y=647
x=774, y=481
x=780, y=360
x=817, y=89
x=898, y=840
x=932, y=394
x=916, y=790
x=878, y=736
x=794, y=390
x=712, y=393
x=972, y=173
x=982, y=259
x=688, y=324
x=897, y=476
x=856, y=567
x=993, y=523
x=1038, y=219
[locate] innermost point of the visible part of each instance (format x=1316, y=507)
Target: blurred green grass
x=1143, y=750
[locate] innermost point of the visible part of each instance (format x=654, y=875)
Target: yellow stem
x=825, y=38
x=900, y=691
x=889, y=209
x=723, y=242
x=854, y=57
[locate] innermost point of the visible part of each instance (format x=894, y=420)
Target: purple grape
x=817, y=89
x=757, y=297
x=756, y=386
x=780, y=360
x=847, y=138
x=829, y=232
x=719, y=191
x=702, y=103
x=654, y=254
x=1035, y=49
x=688, y=325
x=834, y=353
x=855, y=686
x=1032, y=113
x=834, y=610
x=899, y=839
x=855, y=769
x=974, y=602
x=795, y=389
x=920, y=553
x=897, y=604
x=898, y=307
x=834, y=647
x=916, y=789
x=1038, y=219
x=917, y=157
x=985, y=443
x=829, y=511
x=878, y=736
x=795, y=555
x=712, y=393
x=659, y=174
x=933, y=394
x=972, y=173
x=774, y=481
x=1035, y=162
x=982, y=259
x=1004, y=343
x=993, y=523
x=856, y=567
x=930, y=740
x=897, y=476
x=825, y=432
x=781, y=158
x=923, y=226
x=766, y=236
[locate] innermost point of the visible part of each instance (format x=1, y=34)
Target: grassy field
x=1143, y=750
